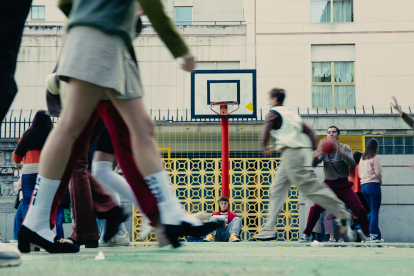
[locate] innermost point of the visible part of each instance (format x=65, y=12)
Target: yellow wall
x=354, y=141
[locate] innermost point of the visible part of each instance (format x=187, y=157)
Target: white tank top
x=290, y=134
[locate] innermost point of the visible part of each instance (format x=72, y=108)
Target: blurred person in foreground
x=95, y=63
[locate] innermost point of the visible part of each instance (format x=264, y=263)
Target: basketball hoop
x=223, y=107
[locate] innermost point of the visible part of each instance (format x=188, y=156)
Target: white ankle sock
x=115, y=185
x=111, y=181
x=37, y=218
x=171, y=210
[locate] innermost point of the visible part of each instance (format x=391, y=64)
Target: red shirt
x=354, y=178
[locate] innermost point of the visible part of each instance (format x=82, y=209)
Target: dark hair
x=35, y=136
x=371, y=149
x=278, y=93
x=357, y=156
x=138, y=27
x=337, y=129
x=224, y=198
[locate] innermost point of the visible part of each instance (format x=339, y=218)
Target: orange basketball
x=327, y=146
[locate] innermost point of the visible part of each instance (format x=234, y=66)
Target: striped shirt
x=226, y=215
x=29, y=156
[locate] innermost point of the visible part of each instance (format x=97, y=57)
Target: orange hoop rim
x=222, y=104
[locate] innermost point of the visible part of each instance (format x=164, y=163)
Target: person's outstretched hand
x=188, y=64
x=412, y=166
x=396, y=106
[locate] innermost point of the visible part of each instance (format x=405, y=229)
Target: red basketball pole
x=224, y=144
x=225, y=157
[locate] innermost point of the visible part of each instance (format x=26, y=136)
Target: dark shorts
x=104, y=143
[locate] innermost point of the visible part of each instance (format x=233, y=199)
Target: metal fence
x=17, y=121
x=197, y=185
x=191, y=155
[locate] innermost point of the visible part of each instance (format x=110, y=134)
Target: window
x=333, y=79
x=38, y=12
x=393, y=144
x=333, y=84
x=183, y=15
x=332, y=11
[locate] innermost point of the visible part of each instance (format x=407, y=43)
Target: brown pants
x=87, y=196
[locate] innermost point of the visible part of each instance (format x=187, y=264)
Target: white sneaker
x=361, y=235
x=9, y=255
x=116, y=241
x=305, y=239
x=372, y=239
x=265, y=234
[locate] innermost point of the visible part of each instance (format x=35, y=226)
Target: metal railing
x=147, y=22
x=17, y=121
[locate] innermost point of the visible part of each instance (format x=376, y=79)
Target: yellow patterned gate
x=197, y=185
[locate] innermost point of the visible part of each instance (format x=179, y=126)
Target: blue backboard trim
x=253, y=72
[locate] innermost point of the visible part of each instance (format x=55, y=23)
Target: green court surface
x=245, y=258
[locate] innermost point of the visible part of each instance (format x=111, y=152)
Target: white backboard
x=209, y=86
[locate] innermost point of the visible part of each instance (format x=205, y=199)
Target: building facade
x=340, y=62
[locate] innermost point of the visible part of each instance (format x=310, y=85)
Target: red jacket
x=230, y=215
x=354, y=177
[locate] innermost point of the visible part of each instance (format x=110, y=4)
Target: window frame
x=333, y=83
x=332, y=13
x=38, y=6
x=185, y=23
x=383, y=145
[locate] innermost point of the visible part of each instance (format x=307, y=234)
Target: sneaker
x=9, y=255
x=331, y=240
x=234, y=238
x=209, y=238
x=372, y=239
x=304, y=239
x=116, y=241
x=361, y=235
x=265, y=234
x=114, y=218
x=345, y=223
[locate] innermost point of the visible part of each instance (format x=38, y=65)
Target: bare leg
x=82, y=98
x=141, y=129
